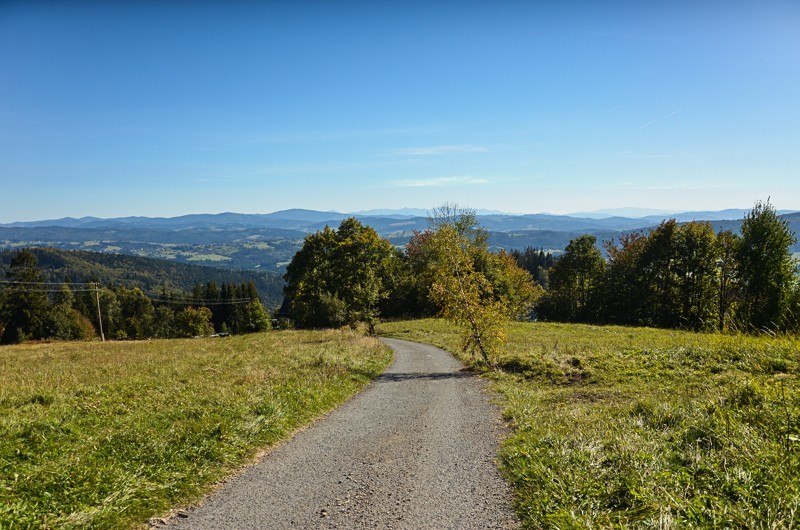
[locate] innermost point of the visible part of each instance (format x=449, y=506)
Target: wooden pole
x=99, y=316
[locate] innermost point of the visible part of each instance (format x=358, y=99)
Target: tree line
x=676, y=275
x=682, y=276
x=32, y=308
x=351, y=275
x=149, y=274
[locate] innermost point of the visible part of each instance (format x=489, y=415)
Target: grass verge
x=105, y=435
x=640, y=428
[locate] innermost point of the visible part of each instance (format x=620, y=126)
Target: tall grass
x=105, y=435
x=618, y=427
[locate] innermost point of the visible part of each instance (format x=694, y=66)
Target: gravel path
x=416, y=449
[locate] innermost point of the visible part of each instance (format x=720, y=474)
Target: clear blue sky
x=135, y=108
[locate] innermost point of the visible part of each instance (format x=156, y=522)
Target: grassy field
x=105, y=435
x=619, y=427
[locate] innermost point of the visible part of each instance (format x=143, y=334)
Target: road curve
x=416, y=449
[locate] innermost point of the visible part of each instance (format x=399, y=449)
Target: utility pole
x=99, y=316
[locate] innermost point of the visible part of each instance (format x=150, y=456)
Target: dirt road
x=414, y=450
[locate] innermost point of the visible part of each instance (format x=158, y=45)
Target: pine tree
x=25, y=308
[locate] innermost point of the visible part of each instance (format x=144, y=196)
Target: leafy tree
x=658, y=268
x=418, y=275
x=136, y=314
x=338, y=276
x=258, y=319
x=667, y=277
x=407, y=296
x=476, y=289
x=793, y=319
x=512, y=285
x=464, y=295
x=194, y=322
x=728, y=277
x=696, y=267
x=766, y=268
x=164, y=322
x=24, y=309
x=574, y=279
x=623, y=291
x=64, y=322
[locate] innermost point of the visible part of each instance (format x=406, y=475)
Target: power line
x=200, y=302
x=13, y=282
x=27, y=290
x=90, y=287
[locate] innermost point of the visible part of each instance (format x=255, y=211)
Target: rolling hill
x=150, y=275
x=267, y=242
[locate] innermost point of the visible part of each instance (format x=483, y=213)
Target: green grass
x=105, y=435
x=619, y=427
x=208, y=257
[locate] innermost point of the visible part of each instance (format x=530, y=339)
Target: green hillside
x=149, y=274
x=106, y=435
x=622, y=427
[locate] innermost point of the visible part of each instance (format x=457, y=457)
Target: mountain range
x=268, y=241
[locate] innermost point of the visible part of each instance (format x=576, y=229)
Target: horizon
x=641, y=213
x=145, y=109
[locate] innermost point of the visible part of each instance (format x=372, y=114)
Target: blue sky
x=139, y=108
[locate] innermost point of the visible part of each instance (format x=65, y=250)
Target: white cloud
x=440, y=182
x=439, y=150
x=651, y=122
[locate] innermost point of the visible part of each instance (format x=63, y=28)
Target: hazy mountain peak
x=629, y=212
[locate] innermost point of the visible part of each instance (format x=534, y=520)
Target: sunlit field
x=99, y=435
x=645, y=428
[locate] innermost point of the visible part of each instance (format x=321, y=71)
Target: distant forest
x=676, y=275
x=34, y=306
x=268, y=242
x=152, y=276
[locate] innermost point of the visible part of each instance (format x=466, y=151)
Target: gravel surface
x=416, y=449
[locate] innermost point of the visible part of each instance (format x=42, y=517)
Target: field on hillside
x=618, y=427
x=108, y=434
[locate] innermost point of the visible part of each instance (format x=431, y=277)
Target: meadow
x=616, y=427
x=107, y=435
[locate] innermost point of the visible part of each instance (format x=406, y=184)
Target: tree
x=574, y=279
x=474, y=288
x=464, y=295
x=512, y=286
x=135, y=314
x=727, y=277
x=194, y=322
x=536, y=262
x=408, y=295
x=418, y=275
x=164, y=322
x=766, y=268
x=697, y=258
x=256, y=317
x=64, y=322
x=623, y=290
x=658, y=268
x=338, y=276
x=25, y=309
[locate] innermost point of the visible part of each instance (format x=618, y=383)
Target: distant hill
x=306, y=221
x=622, y=212
x=150, y=275
x=267, y=242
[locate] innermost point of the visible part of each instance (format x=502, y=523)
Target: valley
x=267, y=242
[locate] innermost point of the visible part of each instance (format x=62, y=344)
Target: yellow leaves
x=477, y=290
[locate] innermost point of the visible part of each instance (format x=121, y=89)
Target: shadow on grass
x=517, y=366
